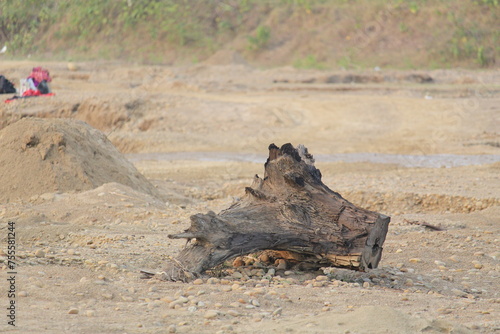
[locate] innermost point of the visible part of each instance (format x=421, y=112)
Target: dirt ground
x=198, y=135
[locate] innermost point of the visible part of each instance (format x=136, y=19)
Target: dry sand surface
x=89, y=217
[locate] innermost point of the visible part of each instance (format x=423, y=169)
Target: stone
x=72, y=66
x=90, y=313
x=458, y=293
x=264, y=258
x=495, y=255
x=198, y=281
x=211, y=314
x=409, y=282
x=233, y=313
x=444, y=310
x=318, y=284
x=415, y=260
x=107, y=295
x=40, y=253
x=234, y=305
x=238, y=262
x=213, y=280
x=22, y=294
x=277, y=312
x=281, y=264
x=73, y=311
x=237, y=275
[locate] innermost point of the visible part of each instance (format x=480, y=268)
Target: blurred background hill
x=350, y=34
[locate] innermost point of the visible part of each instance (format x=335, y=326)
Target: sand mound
x=59, y=155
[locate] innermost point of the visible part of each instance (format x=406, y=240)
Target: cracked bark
x=289, y=210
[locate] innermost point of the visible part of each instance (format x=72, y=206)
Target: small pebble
x=233, y=313
x=73, y=311
x=237, y=275
x=198, y=281
x=40, y=253
x=281, y=264
x=415, y=260
x=458, y=293
x=444, y=310
x=172, y=329
x=238, y=262
x=22, y=294
x=90, y=313
x=107, y=295
x=409, y=282
x=495, y=255
x=211, y=314
x=213, y=280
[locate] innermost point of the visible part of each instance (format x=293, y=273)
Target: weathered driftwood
x=289, y=210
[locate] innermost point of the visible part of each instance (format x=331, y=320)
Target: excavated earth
x=96, y=177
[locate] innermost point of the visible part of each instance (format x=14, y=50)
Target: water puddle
x=424, y=161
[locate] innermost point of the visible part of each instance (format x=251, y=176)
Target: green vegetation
x=342, y=33
x=261, y=38
x=309, y=62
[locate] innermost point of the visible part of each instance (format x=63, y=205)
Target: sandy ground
x=80, y=254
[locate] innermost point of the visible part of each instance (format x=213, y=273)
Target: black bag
x=6, y=87
x=43, y=87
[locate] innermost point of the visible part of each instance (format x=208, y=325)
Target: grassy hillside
x=302, y=33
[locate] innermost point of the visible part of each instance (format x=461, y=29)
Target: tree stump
x=289, y=210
